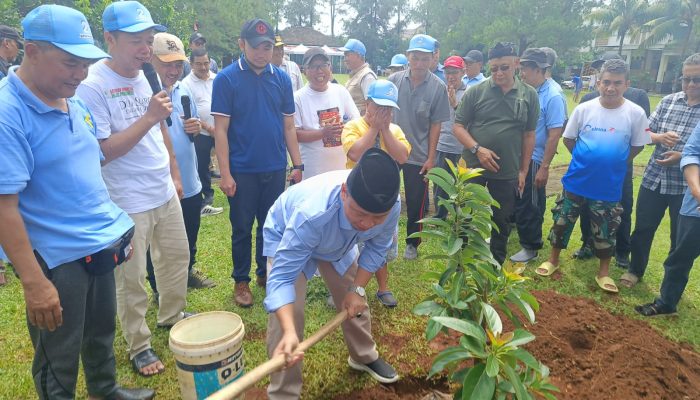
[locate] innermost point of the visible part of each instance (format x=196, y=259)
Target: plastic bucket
x=208, y=348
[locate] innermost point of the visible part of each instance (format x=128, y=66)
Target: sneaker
x=209, y=210
x=197, y=280
x=584, y=253
x=622, y=260
x=524, y=255
x=653, y=310
x=411, y=252
x=377, y=369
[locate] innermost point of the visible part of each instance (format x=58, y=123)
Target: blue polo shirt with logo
x=552, y=115
x=256, y=105
x=51, y=160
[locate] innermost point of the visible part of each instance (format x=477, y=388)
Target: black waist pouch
x=105, y=260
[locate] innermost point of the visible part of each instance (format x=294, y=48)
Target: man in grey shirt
x=448, y=146
x=423, y=108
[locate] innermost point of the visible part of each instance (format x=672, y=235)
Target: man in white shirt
x=200, y=82
x=141, y=174
x=286, y=65
x=322, y=108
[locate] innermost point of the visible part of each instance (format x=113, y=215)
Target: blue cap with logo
x=128, y=16
x=384, y=93
x=398, y=60
x=422, y=43
x=65, y=28
x=355, y=46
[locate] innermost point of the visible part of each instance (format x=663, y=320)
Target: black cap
x=257, y=31
x=197, y=36
x=474, y=56
x=536, y=56
x=502, y=49
x=7, y=32
x=608, y=55
x=313, y=52
x=374, y=181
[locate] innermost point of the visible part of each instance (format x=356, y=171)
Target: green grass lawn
x=325, y=370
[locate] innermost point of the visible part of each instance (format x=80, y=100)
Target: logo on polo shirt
x=88, y=121
x=85, y=33
x=611, y=130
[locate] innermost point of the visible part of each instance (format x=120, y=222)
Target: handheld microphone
x=187, y=110
x=152, y=78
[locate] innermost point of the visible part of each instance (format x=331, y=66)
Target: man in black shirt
x=639, y=97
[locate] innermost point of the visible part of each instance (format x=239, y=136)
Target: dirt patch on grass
x=592, y=354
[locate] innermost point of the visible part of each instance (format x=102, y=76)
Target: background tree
x=677, y=18
x=623, y=16
x=301, y=12
x=370, y=21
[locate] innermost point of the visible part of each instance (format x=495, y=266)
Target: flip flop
x=144, y=359
x=628, y=280
x=605, y=282
x=546, y=269
x=387, y=299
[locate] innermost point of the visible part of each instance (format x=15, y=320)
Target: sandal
x=628, y=280
x=143, y=360
x=387, y=299
x=652, y=310
x=607, y=284
x=546, y=269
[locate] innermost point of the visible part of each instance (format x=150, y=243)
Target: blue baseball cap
x=422, y=43
x=398, y=60
x=63, y=27
x=356, y=46
x=128, y=16
x=384, y=93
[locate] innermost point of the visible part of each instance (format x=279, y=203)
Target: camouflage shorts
x=605, y=219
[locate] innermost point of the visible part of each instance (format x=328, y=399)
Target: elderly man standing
x=253, y=108
x=473, y=62
x=10, y=45
x=361, y=74
x=142, y=176
x=64, y=243
x=448, y=147
x=496, y=123
x=424, y=106
x=531, y=205
x=322, y=108
x=317, y=224
x=288, y=66
x=662, y=185
x=200, y=82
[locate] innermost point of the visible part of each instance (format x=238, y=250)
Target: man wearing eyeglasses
x=662, y=185
x=496, y=123
x=10, y=45
x=322, y=108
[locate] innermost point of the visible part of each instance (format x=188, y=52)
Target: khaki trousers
x=162, y=229
x=357, y=332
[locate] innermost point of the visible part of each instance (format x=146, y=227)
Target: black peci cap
x=374, y=181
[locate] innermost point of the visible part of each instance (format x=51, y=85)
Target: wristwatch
x=357, y=289
x=300, y=167
x=474, y=149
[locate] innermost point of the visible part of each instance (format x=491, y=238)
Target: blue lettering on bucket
x=209, y=378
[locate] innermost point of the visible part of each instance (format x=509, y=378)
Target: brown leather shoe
x=242, y=294
x=261, y=281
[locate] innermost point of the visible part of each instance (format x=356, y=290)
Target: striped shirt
x=672, y=114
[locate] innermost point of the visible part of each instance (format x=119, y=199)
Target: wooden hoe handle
x=277, y=363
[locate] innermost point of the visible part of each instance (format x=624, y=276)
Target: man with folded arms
x=63, y=234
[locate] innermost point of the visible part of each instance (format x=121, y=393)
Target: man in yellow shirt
x=375, y=129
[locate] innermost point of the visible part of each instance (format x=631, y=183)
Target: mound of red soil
x=592, y=354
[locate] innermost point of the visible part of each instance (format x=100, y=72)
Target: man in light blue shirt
x=63, y=234
x=679, y=263
x=318, y=224
x=531, y=205
x=473, y=62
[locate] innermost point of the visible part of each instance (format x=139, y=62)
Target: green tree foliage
x=372, y=22
x=462, y=25
x=678, y=18
x=9, y=14
x=301, y=12
x=625, y=17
